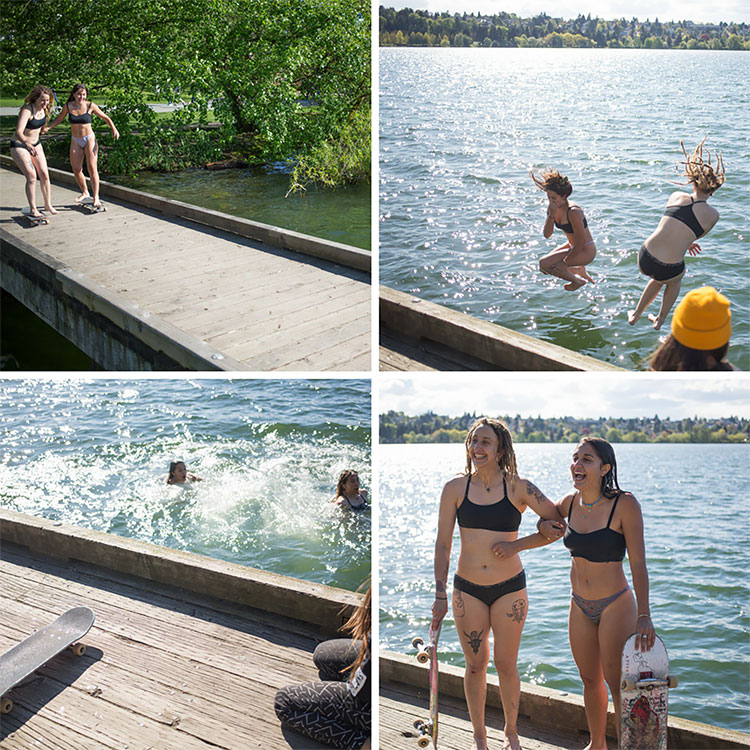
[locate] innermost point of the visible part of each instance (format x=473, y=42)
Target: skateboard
x=36, y=650
x=88, y=205
x=428, y=730
x=35, y=220
x=643, y=696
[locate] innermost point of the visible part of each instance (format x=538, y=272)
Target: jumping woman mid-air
x=686, y=218
x=83, y=141
x=567, y=261
x=27, y=151
x=489, y=593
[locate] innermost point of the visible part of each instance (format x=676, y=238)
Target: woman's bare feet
x=571, y=286
x=512, y=742
x=656, y=321
x=51, y=210
x=633, y=317
x=480, y=743
x=83, y=197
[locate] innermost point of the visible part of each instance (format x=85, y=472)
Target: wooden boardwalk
x=164, y=669
x=266, y=308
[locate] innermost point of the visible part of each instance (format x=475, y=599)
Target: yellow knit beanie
x=702, y=320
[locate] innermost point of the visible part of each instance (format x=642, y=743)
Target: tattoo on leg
x=475, y=640
x=458, y=605
x=535, y=492
x=518, y=610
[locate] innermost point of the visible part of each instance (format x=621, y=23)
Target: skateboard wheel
x=79, y=649
x=628, y=685
x=417, y=642
x=672, y=679
x=6, y=704
x=423, y=657
x=418, y=725
x=423, y=742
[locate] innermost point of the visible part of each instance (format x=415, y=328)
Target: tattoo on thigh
x=518, y=610
x=475, y=640
x=458, y=605
x=535, y=492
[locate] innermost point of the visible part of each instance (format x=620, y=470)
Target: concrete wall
x=324, y=606
x=545, y=706
x=506, y=349
x=337, y=252
x=115, y=333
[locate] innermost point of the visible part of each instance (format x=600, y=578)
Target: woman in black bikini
x=27, y=151
x=348, y=493
x=686, y=219
x=569, y=260
x=603, y=523
x=82, y=139
x=489, y=593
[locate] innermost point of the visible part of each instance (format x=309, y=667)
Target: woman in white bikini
x=686, y=219
x=567, y=261
x=27, y=151
x=83, y=143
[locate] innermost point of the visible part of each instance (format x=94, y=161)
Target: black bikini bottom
x=490, y=594
x=657, y=270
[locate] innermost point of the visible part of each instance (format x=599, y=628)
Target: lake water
x=461, y=221
x=95, y=453
x=694, y=500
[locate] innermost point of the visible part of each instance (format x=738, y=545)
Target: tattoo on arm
x=475, y=639
x=535, y=492
x=518, y=610
x=458, y=604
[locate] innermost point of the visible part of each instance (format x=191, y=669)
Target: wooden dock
x=163, y=285
x=165, y=667
x=419, y=335
x=548, y=719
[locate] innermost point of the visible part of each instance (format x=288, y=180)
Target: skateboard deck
x=88, y=205
x=643, y=696
x=429, y=729
x=25, y=658
x=35, y=220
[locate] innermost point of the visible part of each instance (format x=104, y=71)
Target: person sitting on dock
x=348, y=493
x=701, y=327
x=178, y=474
x=83, y=143
x=27, y=151
x=489, y=593
x=686, y=219
x=335, y=710
x=567, y=261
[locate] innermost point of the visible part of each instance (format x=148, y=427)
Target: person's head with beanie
x=701, y=327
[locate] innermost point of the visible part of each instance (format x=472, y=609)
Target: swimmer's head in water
x=345, y=476
x=506, y=457
x=700, y=171
x=606, y=453
x=177, y=471
x=40, y=96
x=553, y=182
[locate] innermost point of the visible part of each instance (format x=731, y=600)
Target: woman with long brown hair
x=489, y=591
x=687, y=218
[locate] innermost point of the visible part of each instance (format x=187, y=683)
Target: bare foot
x=655, y=320
x=588, y=278
x=480, y=743
x=51, y=210
x=82, y=197
x=633, y=318
x=511, y=741
x=571, y=286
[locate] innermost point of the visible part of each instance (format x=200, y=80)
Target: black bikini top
x=685, y=213
x=84, y=119
x=499, y=516
x=602, y=545
x=568, y=228
x=34, y=124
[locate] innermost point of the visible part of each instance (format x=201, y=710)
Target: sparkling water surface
x=694, y=501
x=96, y=453
x=461, y=221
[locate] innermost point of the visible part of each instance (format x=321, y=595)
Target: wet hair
x=699, y=170
x=606, y=453
x=506, y=459
x=673, y=356
x=75, y=90
x=554, y=181
x=345, y=475
x=172, y=466
x=34, y=95
x=359, y=626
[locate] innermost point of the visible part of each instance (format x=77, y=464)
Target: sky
x=560, y=394
x=664, y=10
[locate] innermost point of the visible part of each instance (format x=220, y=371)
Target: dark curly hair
x=554, y=181
x=606, y=453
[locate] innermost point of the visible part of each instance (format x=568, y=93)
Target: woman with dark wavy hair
x=489, y=588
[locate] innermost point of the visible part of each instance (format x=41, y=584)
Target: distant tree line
x=421, y=28
x=397, y=427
